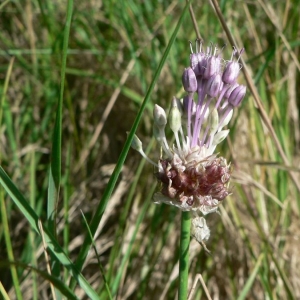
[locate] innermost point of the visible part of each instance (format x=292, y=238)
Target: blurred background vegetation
x=113, y=53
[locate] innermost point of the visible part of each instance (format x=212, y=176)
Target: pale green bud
x=136, y=143
x=220, y=136
x=214, y=121
x=227, y=119
x=159, y=116
x=175, y=116
x=158, y=133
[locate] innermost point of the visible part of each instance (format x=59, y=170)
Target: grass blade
x=59, y=284
x=251, y=279
x=53, y=245
x=3, y=292
x=98, y=258
x=113, y=179
x=9, y=248
x=55, y=170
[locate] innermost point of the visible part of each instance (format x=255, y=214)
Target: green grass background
x=74, y=76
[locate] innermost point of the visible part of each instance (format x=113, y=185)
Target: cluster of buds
x=191, y=176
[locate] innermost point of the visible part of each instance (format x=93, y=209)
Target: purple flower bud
x=194, y=63
x=237, y=95
x=213, y=85
x=202, y=63
x=212, y=66
x=229, y=90
x=221, y=86
x=198, y=63
x=189, y=80
x=231, y=72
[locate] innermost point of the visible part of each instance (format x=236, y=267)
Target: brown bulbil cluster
x=197, y=184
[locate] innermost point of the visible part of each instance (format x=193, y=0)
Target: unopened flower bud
x=159, y=116
x=221, y=86
x=213, y=85
x=226, y=119
x=174, y=117
x=179, y=103
x=189, y=80
x=229, y=90
x=202, y=62
x=231, y=72
x=194, y=62
x=237, y=95
x=214, y=121
x=158, y=134
x=220, y=137
x=212, y=66
x=136, y=144
x=198, y=63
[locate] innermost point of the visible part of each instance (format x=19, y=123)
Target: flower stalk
x=184, y=255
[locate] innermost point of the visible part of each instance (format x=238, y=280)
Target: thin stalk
x=9, y=247
x=184, y=255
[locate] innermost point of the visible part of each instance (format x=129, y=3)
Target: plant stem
x=184, y=255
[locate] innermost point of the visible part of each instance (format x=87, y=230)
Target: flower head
x=191, y=176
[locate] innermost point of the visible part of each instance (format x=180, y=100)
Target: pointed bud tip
x=159, y=116
x=220, y=137
x=136, y=143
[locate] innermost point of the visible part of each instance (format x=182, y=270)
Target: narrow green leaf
x=9, y=248
x=98, y=258
x=55, y=169
x=3, y=292
x=114, y=177
x=59, y=285
x=126, y=257
x=53, y=245
x=251, y=279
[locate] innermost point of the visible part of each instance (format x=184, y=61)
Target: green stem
x=184, y=255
